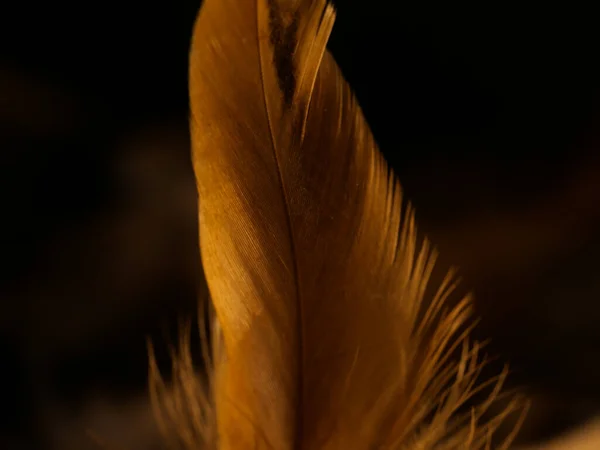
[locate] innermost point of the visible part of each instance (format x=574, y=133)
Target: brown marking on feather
x=283, y=37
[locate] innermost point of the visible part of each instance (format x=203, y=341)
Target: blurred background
x=490, y=116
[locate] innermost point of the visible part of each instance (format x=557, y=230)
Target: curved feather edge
x=420, y=397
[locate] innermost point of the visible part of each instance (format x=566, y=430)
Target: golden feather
x=315, y=272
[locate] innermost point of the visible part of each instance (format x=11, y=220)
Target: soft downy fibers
x=331, y=334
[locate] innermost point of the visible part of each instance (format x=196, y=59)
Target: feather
x=315, y=271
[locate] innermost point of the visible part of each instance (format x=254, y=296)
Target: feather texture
x=315, y=271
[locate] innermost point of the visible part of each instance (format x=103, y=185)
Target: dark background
x=490, y=116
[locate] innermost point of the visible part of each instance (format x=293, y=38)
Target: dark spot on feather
x=283, y=39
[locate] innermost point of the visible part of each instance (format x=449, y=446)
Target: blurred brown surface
x=492, y=127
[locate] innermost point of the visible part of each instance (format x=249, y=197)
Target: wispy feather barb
x=316, y=275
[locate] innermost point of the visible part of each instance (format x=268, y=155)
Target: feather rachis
x=316, y=273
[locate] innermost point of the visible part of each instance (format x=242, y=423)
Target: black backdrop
x=489, y=114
